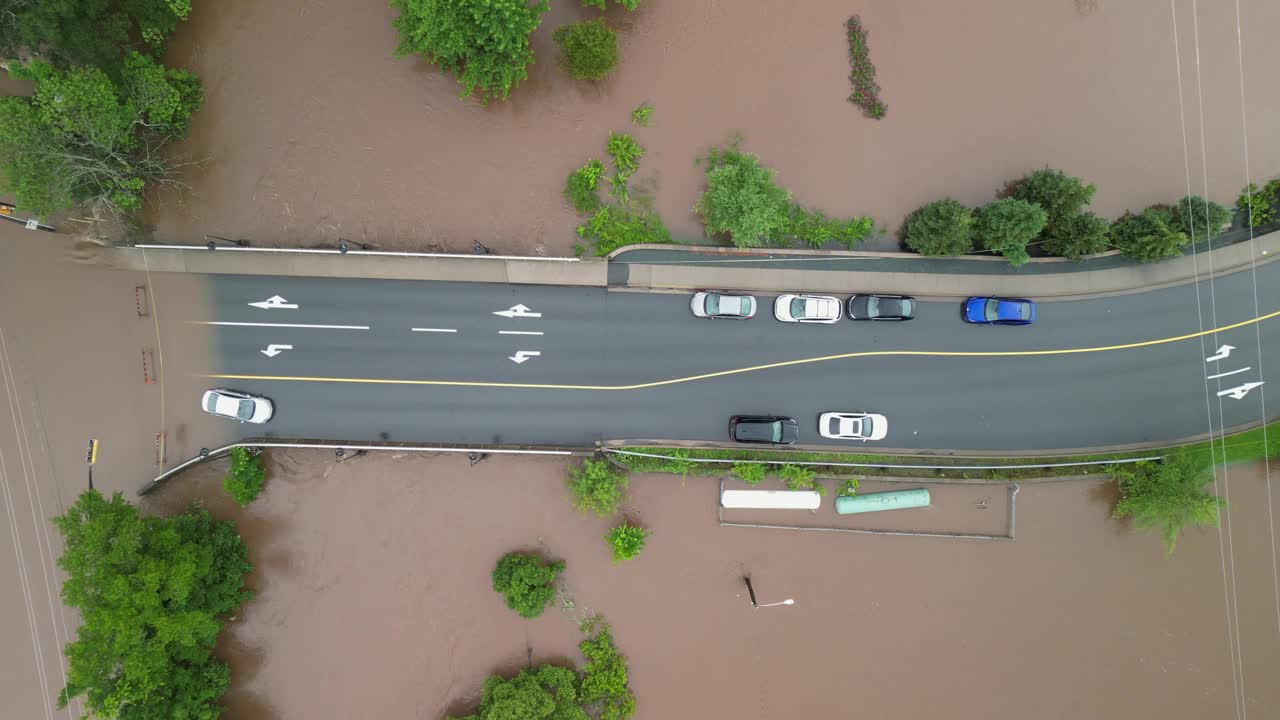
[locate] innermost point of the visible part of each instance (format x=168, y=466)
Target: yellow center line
x=755, y=368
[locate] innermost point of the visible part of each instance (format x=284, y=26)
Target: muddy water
x=312, y=130
x=374, y=601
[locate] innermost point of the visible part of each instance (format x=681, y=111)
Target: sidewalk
x=723, y=268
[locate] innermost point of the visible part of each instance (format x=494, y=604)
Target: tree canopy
x=483, y=43
x=588, y=49
x=1078, y=235
x=1168, y=495
x=1007, y=225
x=943, y=227
x=1147, y=236
x=1192, y=214
x=153, y=594
x=98, y=33
x=1060, y=194
x=526, y=582
x=546, y=692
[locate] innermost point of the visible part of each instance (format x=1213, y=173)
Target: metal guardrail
x=212, y=247
x=211, y=454
x=1023, y=466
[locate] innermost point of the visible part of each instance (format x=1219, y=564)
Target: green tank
x=875, y=502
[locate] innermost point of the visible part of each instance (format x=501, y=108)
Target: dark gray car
x=763, y=429
x=877, y=306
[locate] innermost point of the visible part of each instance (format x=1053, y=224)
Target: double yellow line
x=753, y=368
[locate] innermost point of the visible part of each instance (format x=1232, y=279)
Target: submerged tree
x=1167, y=495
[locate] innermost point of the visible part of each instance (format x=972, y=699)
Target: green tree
x=1195, y=213
x=1006, y=226
x=97, y=33
x=943, y=227
x=750, y=473
x=581, y=185
x=1078, y=235
x=1259, y=204
x=152, y=594
x=84, y=139
x=246, y=476
x=545, y=692
x=526, y=582
x=604, y=690
x=597, y=487
x=742, y=200
x=1147, y=236
x=626, y=541
x=483, y=43
x=1167, y=496
x=1060, y=195
x=588, y=49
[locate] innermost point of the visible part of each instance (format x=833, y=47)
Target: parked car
x=881, y=307
x=722, y=305
x=852, y=426
x=237, y=406
x=763, y=429
x=999, y=311
x=806, y=308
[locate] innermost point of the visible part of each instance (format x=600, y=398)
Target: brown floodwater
x=312, y=130
x=374, y=601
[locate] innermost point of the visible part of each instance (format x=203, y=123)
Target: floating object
x=875, y=502
x=771, y=499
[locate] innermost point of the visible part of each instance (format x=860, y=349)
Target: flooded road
x=374, y=601
x=311, y=130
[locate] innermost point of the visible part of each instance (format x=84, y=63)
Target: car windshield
x=1025, y=311
x=211, y=402
x=991, y=311
x=865, y=427
x=905, y=306
x=776, y=433
x=873, y=306
x=797, y=308
x=244, y=409
x=713, y=304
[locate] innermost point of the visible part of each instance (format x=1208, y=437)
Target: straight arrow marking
x=274, y=302
x=516, y=311
x=1238, y=392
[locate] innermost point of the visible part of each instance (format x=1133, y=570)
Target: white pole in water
x=788, y=601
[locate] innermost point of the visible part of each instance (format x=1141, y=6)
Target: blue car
x=999, y=311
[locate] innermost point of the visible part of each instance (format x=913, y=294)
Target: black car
x=882, y=307
x=763, y=429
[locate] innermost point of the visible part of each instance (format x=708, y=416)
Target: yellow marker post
x=91, y=457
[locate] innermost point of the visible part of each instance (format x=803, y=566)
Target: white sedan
x=806, y=308
x=237, y=406
x=720, y=305
x=852, y=426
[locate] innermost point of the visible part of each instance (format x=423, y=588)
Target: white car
x=720, y=305
x=237, y=406
x=852, y=426
x=806, y=308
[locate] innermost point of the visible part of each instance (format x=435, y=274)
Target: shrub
x=849, y=488
x=84, y=138
x=1167, y=495
x=943, y=227
x=1078, y=235
x=1259, y=205
x=526, y=582
x=152, y=594
x=814, y=228
x=581, y=185
x=588, y=49
x=628, y=4
x=750, y=473
x=641, y=115
x=742, y=200
x=247, y=474
x=866, y=93
x=625, y=151
x=628, y=223
x=1147, y=236
x=604, y=692
x=1060, y=195
x=483, y=43
x=545, y=692
x=597, y=487
x=626, y=541
x=1195, y=213
x=1006, y=226
x=799, y=477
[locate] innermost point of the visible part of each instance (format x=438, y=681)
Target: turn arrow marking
x=274, y=350
x=523, y=355
x=518, y=311
x=1223, y=352
x=275, y=302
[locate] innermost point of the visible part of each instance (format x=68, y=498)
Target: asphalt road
x=601, y=342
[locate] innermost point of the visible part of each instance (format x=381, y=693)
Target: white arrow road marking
x=519, y=332
x=275, y=302
x=274, y=350
x=518, y=311
x=1223, y=352
x=285, y=325
x=1238, y=392
x=523, y=355
x=443, y=330
x=1233, y=372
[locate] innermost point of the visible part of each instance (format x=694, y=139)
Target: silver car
x=852, y=426
x=237, y=406
x=806, y=308
x=721, y=305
